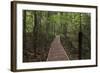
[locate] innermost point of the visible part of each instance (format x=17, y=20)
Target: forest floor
x=57, y=51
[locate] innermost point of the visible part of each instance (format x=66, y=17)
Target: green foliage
x=45, y=25
x=29, y=21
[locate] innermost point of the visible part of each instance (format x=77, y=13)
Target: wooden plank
x=57, y=52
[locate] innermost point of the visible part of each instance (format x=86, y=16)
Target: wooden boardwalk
x=57, y=52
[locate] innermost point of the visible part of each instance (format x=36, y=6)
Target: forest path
x=57, y=52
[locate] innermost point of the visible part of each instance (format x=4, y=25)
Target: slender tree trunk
x=24, y=34
x=24, y=26
x=35, y=34
x=80, y=40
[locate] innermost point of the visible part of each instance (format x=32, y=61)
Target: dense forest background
x=41, y=27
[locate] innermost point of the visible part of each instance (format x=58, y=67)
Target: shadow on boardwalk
x=57, y=52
